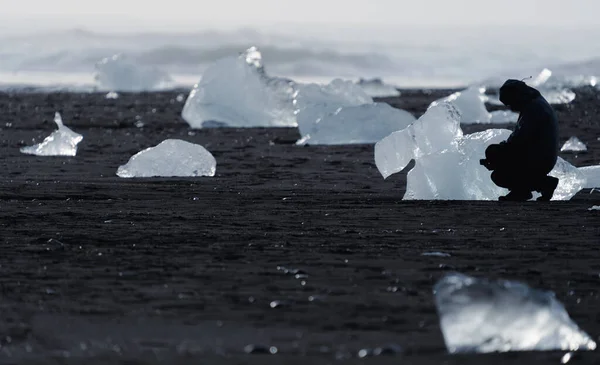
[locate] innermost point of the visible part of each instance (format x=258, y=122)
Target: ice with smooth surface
x=172, y=157
x=236, y=92
x=471, y=105
x=367, y=123
x=447, y=162
x=435, y=130
x=118, y=73
x=62, y=142
x=481, y=316
x=573, y=145
x=376, y=88
x=503, y=117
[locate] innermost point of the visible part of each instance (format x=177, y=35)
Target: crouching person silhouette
x=521, y=163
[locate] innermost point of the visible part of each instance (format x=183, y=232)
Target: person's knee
x=501, y=179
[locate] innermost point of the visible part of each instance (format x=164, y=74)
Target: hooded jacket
x=534, y=141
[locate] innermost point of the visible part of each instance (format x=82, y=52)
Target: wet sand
x=100, y=269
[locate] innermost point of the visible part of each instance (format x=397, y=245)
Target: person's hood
x=516, y=94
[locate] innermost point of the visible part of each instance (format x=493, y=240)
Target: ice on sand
x=479, y=315
x=342, y=113
x=376, y=88
x=236, y=92
x=447, y=162
x=573, y=145
x=172, y=157
x=62, y=142
x=118, y=73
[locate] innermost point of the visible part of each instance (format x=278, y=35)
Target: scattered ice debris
x=594, y=207
x=236, y=92
x=447, y=162
x=471, y=105
x=172, y=157
x=436, y=254
x=479, y=315
x=118, y=73
x=112, y=95
x=376, y=88
x=566, y=358
x=503, y=117
x=260, y=349
x=180, y=98
x=62, y=142
x=573, y=145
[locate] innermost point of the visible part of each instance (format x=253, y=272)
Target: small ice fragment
x=573, y=145
x=471, y=105
x=172, y=157
x=376, y=88
x=118, y=73
x=503, y=116
x=62, y=142
x=479, y=315
x=180, y=98
x=436, y=254
x=112, y=95
x=592, y=175
x=594, y=207
x=566, y=358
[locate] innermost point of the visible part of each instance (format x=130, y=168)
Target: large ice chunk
x=376, y=88
x=591, y=174
x=118, y=73
x=367, y=123
x=573, y=145
x=236, y=92
x=471, y=105
x=62, y=142
x=479, y=315
x=436, y=130
x=172, y=157
x=447, y=162
x=342, y=113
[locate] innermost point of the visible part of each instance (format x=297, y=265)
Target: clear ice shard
x=481, y=316
x=436, y=130
x=376, y=88
x=118, y=73
x=62, y=142
x=236, y=92
x=342, y=113
x=447, y=162
x=573, y=145
x=471, y=105
x=172, y=157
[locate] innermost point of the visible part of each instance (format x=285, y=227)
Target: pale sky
x=231, y=13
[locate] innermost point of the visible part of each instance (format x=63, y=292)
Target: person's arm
x=525, y=132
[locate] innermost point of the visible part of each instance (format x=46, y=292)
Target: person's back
x=522, y=162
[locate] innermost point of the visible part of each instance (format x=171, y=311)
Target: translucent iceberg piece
x=118, y=73
x=62, y=142
x=471, y=105
x=367, y=123
x=172, y=157
x=573, y=145
x=503, y=117
x=111, y=95
x=594, y=207
x=236, y=92
x=479, y=315
x=376, y=88
x=436, y=130
x=591, y=175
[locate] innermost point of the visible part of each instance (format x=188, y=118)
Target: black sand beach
x=98, y=269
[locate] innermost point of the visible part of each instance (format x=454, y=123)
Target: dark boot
x=516, y=196
x=549, y=184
